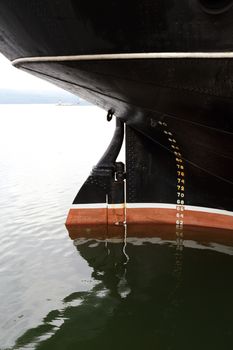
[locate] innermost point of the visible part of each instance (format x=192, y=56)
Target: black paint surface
x=193, y=96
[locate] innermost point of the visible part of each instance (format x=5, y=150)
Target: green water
x=163, y=298
x=55, y=294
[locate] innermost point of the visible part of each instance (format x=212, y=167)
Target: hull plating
x=178, y=111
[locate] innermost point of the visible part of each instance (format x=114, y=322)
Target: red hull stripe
x=168, y=216
x=96, y=219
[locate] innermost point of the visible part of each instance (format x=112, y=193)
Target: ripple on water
x=39, y=265
x=55, y=295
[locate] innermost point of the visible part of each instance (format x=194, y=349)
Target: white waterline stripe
x=151, y=206
x=209, y=210
x=122, y=56
x=116, y=206
x=97, y=206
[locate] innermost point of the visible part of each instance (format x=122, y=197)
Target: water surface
x=93, y=294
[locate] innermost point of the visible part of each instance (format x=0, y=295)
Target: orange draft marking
x=180, y=186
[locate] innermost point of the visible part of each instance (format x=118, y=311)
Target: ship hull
x=197, y=116
x=178, y=110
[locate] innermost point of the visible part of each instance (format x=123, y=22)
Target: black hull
x=199, y=115
x=177, y=109
x=76, y=27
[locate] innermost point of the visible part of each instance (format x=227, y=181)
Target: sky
x=13, y=78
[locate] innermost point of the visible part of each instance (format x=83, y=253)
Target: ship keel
x=154, y=194
x=99, y=206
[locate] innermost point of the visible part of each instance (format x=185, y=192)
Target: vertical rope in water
x=125, y=245
x=125, y=225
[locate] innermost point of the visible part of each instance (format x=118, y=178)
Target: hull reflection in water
x=148, y=293
x=161, y=231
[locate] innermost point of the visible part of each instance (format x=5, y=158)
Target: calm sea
x=60, y=294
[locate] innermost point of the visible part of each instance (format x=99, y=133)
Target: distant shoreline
x=86, y=104
x=10, y=96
